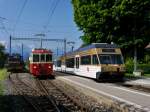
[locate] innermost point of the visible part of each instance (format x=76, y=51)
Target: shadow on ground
x=17, y=103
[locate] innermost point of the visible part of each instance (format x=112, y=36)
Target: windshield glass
x=42, y=57
x=110, y=59
x=48, y=57
x=35, y=57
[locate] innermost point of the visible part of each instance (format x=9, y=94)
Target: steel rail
x=36, y=108
x=64, y=99
x=42, y=87
x=76, y=102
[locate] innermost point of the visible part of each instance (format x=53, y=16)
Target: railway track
x=72, y=99
x=54, y=96
x=29, y=94
x=46, y=97
x=64, y=102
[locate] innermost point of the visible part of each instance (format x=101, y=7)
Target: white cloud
x=4, y=43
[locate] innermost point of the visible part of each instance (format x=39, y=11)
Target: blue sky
x=33, y=19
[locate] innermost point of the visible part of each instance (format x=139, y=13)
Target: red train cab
x=41, y=62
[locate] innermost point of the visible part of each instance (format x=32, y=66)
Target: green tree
x=125, y=22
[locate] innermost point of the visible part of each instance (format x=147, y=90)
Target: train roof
x=41, y=50
x=98, y=45
x=94, y=45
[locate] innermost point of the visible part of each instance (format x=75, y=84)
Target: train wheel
x=99, y=77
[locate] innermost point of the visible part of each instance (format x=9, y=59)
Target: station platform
x=143, y=81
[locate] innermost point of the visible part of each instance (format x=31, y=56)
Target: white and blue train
x=98, y=61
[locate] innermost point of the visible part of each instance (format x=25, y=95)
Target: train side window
x=59, y=63
x=35, y=57
x=48, y=57
x=86, y=60
x=94, y=60
x=70, y=63
x=42, y=57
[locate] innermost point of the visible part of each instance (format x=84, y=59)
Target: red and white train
x=40, y=62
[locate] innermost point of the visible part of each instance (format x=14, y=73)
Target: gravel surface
x=89, y=102
x=92, y=101
x=15, y=102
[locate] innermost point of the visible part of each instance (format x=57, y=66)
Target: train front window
x=42, y=57
x=105, y=59
x=110, y=59
x=116, y=59
x=35, y=57
x=48, y=57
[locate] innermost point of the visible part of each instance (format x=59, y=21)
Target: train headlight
x=34, y=67
x=49, y=66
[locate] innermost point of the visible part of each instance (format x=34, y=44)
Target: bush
x=129, y=63
x=144, y=67
x=147, y=59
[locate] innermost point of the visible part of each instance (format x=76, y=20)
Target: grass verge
x=147, y=75
x=4, y=99
x=3, y=75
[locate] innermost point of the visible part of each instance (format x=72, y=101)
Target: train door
x=77, y=64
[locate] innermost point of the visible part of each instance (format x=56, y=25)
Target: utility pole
x=41, y=42
x=135, y=47
x=22, y=51
x=40, y=35
x=135, y=58
x=72, y=48
x=65, y=42
x=10, y=45
x=57, y=51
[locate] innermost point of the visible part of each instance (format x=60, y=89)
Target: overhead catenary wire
x=51, y=12
x=33, y=24
x=20, y=13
